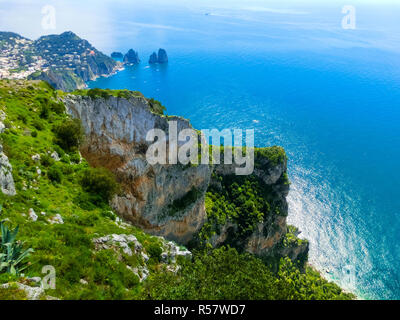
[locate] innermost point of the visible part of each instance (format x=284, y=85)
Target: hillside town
x=65, y=61
x=17, y=59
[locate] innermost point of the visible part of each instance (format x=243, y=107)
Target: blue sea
x=330, y=96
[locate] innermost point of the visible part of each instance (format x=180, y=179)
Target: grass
x=68, y=247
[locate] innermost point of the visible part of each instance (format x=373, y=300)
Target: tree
x=69, y=135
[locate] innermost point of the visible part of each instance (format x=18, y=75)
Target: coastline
x=324, y=274
x=119, y=67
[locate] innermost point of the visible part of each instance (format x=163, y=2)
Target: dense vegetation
x=64, y=187
x=225, y=274
x=69, y=188
x=243, y=200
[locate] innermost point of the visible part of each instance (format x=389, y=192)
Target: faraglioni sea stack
x=131, y=57
x=160, y=58
x=117, y=55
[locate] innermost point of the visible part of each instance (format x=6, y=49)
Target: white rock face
x=36, y=157
x=172, y=252
x=32, y=215
x=55, y=156
x=141, y=272
x=118, y=241
x=116, y=130
x=6, y=179
x=32, y=293
x=2, y=127
x=57, y=219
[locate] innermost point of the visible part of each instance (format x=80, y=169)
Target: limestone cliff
x=6, y=179
x=116, y=129
x=169, y=200
x=269, y=236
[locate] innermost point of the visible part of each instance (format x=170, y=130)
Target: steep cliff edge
x=249, y=212
x=171, y=200
x=116, y=129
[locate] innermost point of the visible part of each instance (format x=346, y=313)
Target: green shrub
x=34, y=134
x=98, y=93
x=66, y=169
x=69, y=134
x=87, y=201
x=46, y=160
x=59, y=150
x=75, y=157
x=37, y=124
x=156, y=106
x=22, y=117
x=154, y=250
x=57, y=107
x=108, y=214
x=55, y=174
x=7, y=124
x=44, y=112
x=65, y=159
x=88, y=219
x=99, y=181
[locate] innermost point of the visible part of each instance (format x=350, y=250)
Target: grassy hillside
x=66, y=188
x=32, y=113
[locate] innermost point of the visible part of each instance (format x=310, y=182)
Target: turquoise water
x=329, y=96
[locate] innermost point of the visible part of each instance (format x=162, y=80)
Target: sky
x=102, y=21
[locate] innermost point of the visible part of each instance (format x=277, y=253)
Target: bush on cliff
x=99, y=181
x=55, y=174
x=156, y=106
x=98, y=93
x=69, y=134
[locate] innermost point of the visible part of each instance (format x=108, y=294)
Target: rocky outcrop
x=120, y=241
x=6, y=179
x=62, y=80
x=117, y=55
x=153, y=58
x=131, y=57
x=32, y=293
x=116, y=130
x=268, y=237
x=160, y=58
